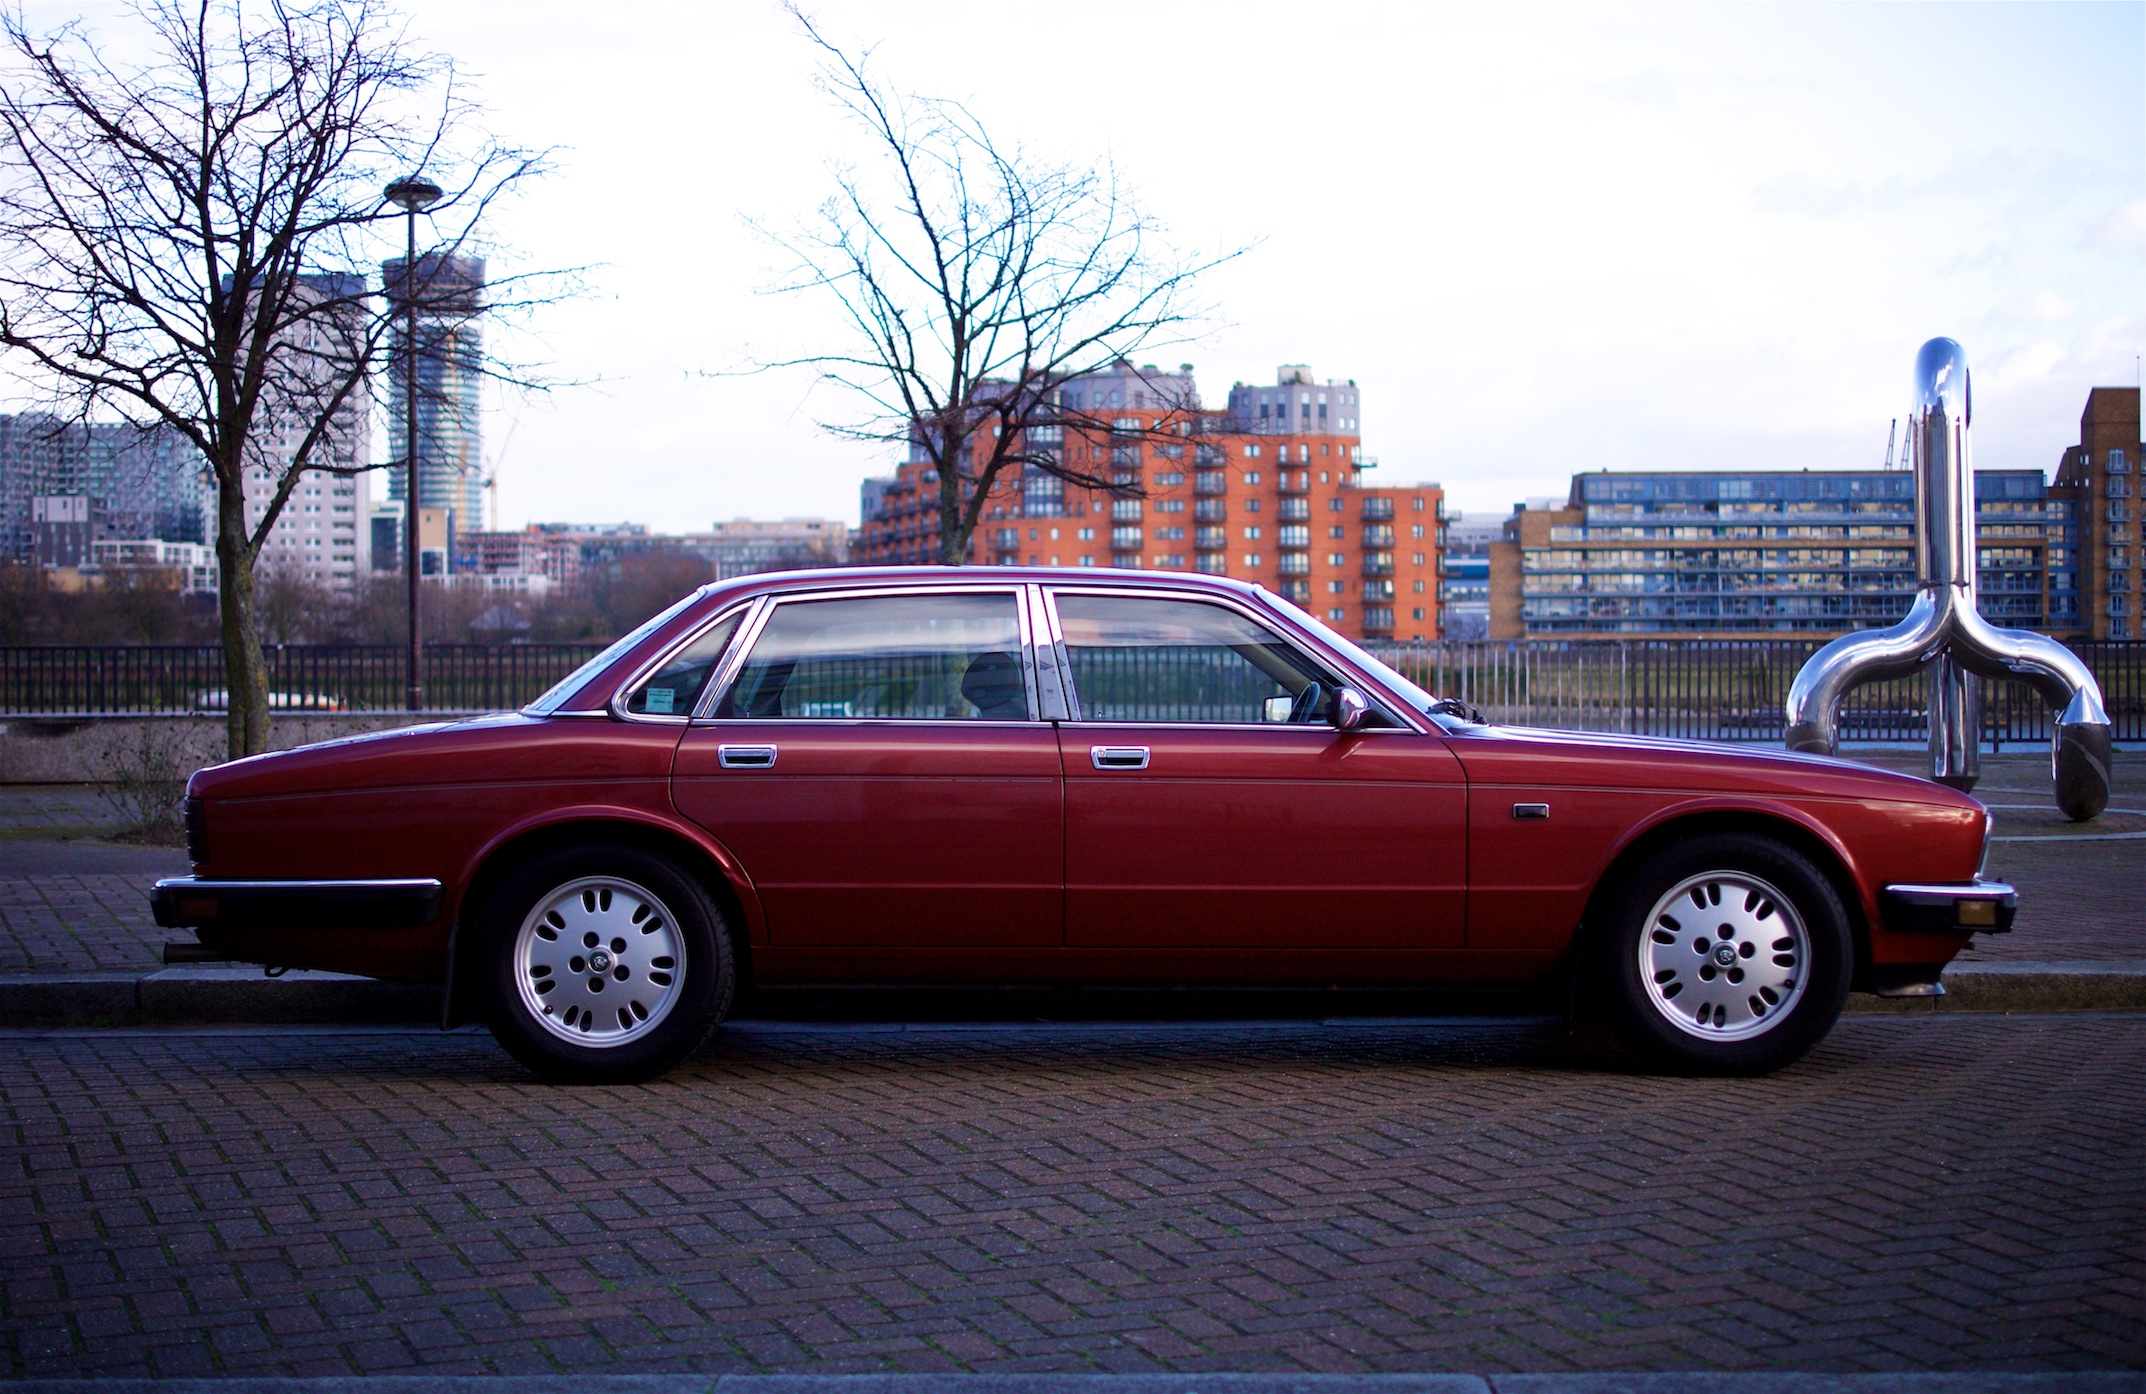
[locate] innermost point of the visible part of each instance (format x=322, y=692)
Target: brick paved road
x=1954, y=1192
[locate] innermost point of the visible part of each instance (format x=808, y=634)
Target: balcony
x=1126, y=511
x=1378, y=590
x=1210, y=511
x=1294, y=563
x=1211, y=563
x=1126, y=539
x=1293, y=481
x=1378, y=619
x=1297, y=592
x=1211, y=539
x=1378, y=535
x=1294, y=510
x=1378, y=510
x=1293, y=538
x=1210, y=482
x=1378, y=564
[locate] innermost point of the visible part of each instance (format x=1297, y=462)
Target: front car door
x=875, y=762
x=1212, y=806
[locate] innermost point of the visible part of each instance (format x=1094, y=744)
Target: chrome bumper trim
x=1957, y=907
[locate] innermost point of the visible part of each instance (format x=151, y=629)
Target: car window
x=555, y=696
x=1142, y=658
x=675, y=687
x=910, y=657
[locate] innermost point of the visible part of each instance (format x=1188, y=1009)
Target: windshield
x=1421, y=700
x=572, y=682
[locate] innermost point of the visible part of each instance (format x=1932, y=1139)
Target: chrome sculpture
x=1944, y=631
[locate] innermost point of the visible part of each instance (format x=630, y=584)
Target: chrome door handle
x=1118, y=757
x=745, y=757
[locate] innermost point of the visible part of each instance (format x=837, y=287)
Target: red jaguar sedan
x=1001, y=776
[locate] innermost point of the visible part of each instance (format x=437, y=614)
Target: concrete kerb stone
x=2112, y=985
x=209, y=995
x=1684, y=1382
x=236, y=994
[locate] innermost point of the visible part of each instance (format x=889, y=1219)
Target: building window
x=1336, y=559
x=1251, y=559
x=1251, y=534
x=1337, y=532
x=1417, y=586
x=1418, y=611
x=1337, y=614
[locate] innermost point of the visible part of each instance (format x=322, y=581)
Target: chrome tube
x=1945, y=631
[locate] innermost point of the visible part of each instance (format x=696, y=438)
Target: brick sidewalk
x=1963, y=1192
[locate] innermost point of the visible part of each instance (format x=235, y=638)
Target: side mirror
x=1349, y=708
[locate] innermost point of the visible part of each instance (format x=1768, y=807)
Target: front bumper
x=182, y=902
x=1950, y=907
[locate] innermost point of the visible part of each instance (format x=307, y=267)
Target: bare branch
x=975, y=282
x=188, y=244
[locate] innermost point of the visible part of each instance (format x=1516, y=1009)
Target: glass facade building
x=1749, y=553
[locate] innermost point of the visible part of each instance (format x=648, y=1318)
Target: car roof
x=848, y=577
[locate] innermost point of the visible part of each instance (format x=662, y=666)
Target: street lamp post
x=411, y=194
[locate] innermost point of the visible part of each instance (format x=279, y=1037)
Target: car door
x=874, y=761
x=1211, y=804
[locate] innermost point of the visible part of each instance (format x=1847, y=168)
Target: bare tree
x=978, y=282
x=187, y=242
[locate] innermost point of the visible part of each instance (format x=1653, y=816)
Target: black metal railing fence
x=1729, y=689
x=164, y=679
x=1704, y=689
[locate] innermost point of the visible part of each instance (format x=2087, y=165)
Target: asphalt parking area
x=1952, y=1193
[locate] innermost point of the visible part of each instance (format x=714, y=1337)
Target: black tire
x=673, y=965
x=1725, y=954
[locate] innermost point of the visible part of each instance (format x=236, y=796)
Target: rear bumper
x=1950, y=907
x=182, y=902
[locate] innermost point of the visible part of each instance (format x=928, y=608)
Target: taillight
x=197, y=831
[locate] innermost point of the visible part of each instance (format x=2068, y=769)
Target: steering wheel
x=1306, y=707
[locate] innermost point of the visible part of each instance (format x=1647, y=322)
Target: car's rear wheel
x=607, y=965
x=1727, y=954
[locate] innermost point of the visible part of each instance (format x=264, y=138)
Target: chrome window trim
x=1380, y=700
x=742, y=646
x=616, y=707
x=1067, y=705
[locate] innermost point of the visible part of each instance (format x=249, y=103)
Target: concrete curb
x=229, y=995
x=192, y=996
x=2106, y=986
x=1683, y=1382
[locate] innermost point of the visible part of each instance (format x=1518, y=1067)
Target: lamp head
x=412, y=194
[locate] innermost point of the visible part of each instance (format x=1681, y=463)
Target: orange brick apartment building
x=1271, y=490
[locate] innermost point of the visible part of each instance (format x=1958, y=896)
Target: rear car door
x=1210, y=804
x=875, y=762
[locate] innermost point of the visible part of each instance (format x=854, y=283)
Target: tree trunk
x=245, y=671
x=953, y=540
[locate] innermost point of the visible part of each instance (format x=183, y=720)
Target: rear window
x=573, y=682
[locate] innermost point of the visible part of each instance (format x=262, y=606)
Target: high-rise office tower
x=449, y=296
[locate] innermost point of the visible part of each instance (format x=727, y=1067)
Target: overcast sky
x=1541, y=238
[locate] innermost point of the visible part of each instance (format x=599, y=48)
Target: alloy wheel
x=599, y=962
x=1724, y=956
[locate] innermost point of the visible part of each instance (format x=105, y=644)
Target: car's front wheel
x=1727, y=954
x=608, y=965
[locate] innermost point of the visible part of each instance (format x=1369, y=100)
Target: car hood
x=1610, y=759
